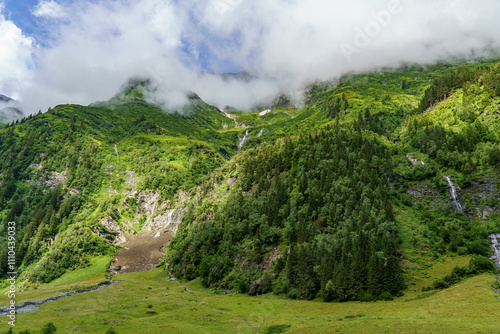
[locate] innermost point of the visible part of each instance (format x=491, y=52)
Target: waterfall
x=169, y=219
x=456, y=205
x=495, y=246
x=260, y=133
x=243, y=140
x=415, y=161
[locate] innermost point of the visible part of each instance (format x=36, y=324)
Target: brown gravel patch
x=141, y=253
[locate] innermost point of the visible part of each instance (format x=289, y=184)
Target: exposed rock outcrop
x=483, y=198
x=131, y=180
x=159, y=218
x=113, y=230
x=51, y=179
x=478, y=199
x=168, y=222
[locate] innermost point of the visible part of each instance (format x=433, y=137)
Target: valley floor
x=150, y=302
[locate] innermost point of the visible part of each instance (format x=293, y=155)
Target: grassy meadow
x=150, y=302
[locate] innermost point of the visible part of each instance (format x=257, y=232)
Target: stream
x=493, y=238
x=415, y=161
x=495, y=246
x=456, y=205
x=33, y=305
x=244, y=139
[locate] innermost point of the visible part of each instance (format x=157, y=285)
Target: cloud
x=283, y=43
x=15, y=57
x=49, y=9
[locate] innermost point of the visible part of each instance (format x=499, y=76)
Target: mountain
x=384, y=186
x=4, y=98
x=9, y=110
x=244, y=76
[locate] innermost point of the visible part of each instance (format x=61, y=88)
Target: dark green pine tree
x=394, y=280
x=292, y=264
x=376, y=274
x=359, y=264
x=3, y=261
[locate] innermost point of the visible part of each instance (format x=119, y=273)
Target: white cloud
x=49, y=9
x=286, y=43
x=15, y=57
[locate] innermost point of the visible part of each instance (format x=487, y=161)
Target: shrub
x=329, y=294
x=365, y=296
x=480, y=264
x=386, y=295
x=266, y=282
x=49, y=328
x=293, y=294
x=243, y=283
x=278, y=288
x=276, y=329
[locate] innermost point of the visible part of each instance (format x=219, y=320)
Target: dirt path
x=142, y=253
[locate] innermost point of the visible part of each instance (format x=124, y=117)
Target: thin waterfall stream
x=244, y=139
x=456, y=205
x=495, y=246
x=493, y=238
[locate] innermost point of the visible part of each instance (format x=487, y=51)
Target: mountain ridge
x=341, y=177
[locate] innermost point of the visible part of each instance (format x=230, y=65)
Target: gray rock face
x=495, y=246
x=55, y=178
x=111, y=225
x=160, y=218
x=131, y=180
x=483, y=197
x=168, y=222
x=483, y=213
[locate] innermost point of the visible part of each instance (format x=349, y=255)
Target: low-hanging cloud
x=283, y=44
x=15, y=57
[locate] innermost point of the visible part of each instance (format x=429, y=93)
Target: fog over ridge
x=94, y=47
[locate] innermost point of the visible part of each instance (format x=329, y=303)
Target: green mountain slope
x=65, y=169
x=323, y=196
x=272, y=232
x=330, y=200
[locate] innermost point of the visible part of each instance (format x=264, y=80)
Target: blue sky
x=21, y=13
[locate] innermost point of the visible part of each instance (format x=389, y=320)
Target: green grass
x=469, y=306
x=70, y=281
x=447, y=311
x=91, y=275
